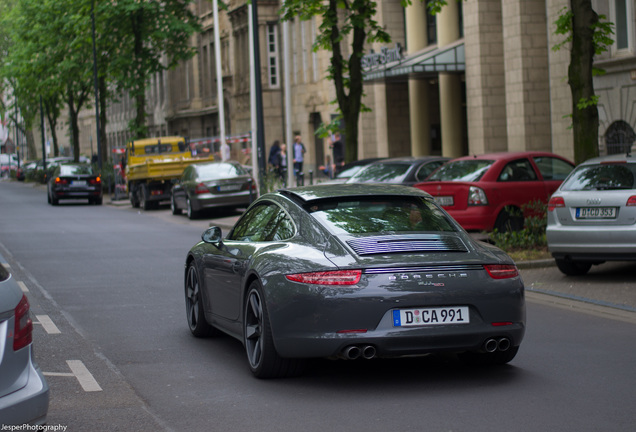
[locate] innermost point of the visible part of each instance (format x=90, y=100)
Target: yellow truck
x=152, y=165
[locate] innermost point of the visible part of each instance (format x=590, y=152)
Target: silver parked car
x=24, y=393
x=592, y=216
x=212, y=185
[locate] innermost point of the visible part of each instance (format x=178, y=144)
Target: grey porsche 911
x=353, y=272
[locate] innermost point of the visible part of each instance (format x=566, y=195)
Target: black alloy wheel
x=263, y=359
x=194, y=305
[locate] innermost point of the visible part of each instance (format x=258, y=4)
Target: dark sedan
x=73, y=181
x=404, y=170
x=212, y=185
x=353, y=271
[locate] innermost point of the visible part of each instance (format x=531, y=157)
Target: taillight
x=502, y=271
x=60, y=181
x=201, y=189
x=631, y=201
x=95, y=181
x=555, y=202
x=477, y=196
x=22, y=335
x=337, y=277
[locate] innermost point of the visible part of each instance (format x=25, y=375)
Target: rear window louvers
x=406, y=243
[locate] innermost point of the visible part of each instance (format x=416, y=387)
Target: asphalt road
x=110, y=280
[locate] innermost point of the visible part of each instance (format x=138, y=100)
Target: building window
x=272, y=56
x=622, y=16
x=431, y=26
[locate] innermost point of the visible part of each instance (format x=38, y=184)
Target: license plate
x=229, y=188
x=430, y=316
x=596, y=212
x=78, y=183
x=444, y=201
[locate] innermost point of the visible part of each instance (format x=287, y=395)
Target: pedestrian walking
x=299, y=158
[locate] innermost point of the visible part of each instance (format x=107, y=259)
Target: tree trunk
x=139, y=90
x=585, y=119
x=73, y=120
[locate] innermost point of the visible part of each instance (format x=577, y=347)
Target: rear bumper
x=593, y=243
x=239, y=199
x=30, y=404
x=474, y=218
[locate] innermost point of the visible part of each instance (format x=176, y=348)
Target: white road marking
x=23, y=286
x=48, y=325
x=86, y=380
x=79, y=371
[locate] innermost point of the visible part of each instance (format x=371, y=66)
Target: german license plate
x=430, y=316
x=229, y=188
x=78, y=183
x=596, y=212
x=444, y=201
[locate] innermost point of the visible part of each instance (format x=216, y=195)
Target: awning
x=425, y=63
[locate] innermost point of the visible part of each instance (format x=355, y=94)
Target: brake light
x=555, y=202
x=477, y=196
x=96, y=180
x=631, y=201
x=23, y=333
x=60, y=181
x=502, y=271
x=201, y=189
x=338, y=277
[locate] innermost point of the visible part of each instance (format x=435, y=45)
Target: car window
x=425, y=170
x=462, y=170
x=380, y=215
x=221, y=170
x=75, y=169
x=265, y=222
x=601, y=177
x=552, y=168
x=519, y=170
x=381, y=173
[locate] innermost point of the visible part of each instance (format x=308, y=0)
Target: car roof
x=409, y=159
x=620, y=157
x=507, y=155
x=322, y=191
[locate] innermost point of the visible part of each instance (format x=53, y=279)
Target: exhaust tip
x=490, y=345
x=503, y=344
x=352, y=352
x=368, y=352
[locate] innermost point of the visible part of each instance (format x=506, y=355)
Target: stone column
x=419, y=116
x=450, y=99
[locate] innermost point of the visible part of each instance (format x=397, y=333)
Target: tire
x=143, y=198
x=262, y=357
x=194, y=306
x=482, y=359
x=48, y=196
x=98, y=201
x=573, y=268
x=134, y=201
x=173, y=206
x=192, y=214
x=510, y=219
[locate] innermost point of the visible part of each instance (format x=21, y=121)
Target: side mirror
x=212, y=235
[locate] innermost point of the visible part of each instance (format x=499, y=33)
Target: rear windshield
x=463, y=170
x=381, y=173
x=218, y=171
x=75, y=169
x=602, y=177
x=380, y=215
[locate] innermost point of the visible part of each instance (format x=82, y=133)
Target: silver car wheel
x=253, y=326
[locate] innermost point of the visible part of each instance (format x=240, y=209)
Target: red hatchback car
x=489, y=191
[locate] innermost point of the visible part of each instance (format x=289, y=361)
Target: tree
x=343, y=21
x=588, y=34
x=144, y=38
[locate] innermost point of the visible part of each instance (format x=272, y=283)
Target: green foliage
x=271, y=182
x=532, y=236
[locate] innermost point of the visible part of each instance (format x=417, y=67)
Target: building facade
x=481, y=76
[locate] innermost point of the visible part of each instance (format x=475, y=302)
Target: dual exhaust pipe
x=501, y=344
x=353, y=352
